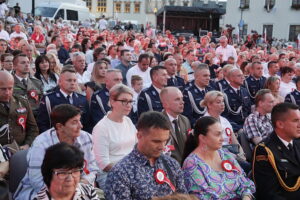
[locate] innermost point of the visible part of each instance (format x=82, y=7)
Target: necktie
x=238, y=93
x=179, y=135
x=174, y=81
x=24, y=82
x=70, y=100
x=6, y=106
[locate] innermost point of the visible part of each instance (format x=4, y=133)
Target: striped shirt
x=82, y=192
x=33, y=182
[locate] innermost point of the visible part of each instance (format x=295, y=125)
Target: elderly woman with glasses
x=62, y=174
x=114, y=136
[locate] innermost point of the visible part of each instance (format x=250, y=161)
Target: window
x=137, y=7
x=244, y=4
x=185, y=3
x=101, y=6
x=296, y=4
x=72, y=15
x=117, y=7
x=89, y=3
x=60, y=14
x=294, y=31
x=269, y=4
x=269, y=30
x=127, y=7
x=244, y=30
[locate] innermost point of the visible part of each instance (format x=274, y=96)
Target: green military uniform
x=18, y=123
x=33, y=92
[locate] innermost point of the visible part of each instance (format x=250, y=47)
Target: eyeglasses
x=125, y=102
x=64, y=174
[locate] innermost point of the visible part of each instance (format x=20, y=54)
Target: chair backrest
x=17, y=169
x=246, y=146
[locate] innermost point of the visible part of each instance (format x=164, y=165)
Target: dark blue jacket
x=293, y=97
x=99, y=105
x=49, y=101
x=253, y=85
x=176, y=82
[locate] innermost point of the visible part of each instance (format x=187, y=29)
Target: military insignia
x=57, y=95
x=33, y=94
x=279, y=147
x=196, y=91
x=153, y=92
x=261, y=158
x=106, y=93
x=297, y=93
x=22, y=121
x=284, y=160
x=21, y=110
x=231, y=91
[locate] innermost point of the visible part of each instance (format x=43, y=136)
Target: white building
x=279, y=18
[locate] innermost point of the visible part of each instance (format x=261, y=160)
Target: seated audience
x=273, y=84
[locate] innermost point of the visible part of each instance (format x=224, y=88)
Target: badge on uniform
x=22, y=121
x=21, y=110
x=33, y=94
x=153, y=92
x=231, y=91
x=57, y=95
x=196, y=91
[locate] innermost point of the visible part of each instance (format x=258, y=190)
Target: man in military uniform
x=195, y=93
x=16, y=118
x=255, y=81
x=64, y=95
x=100, y=99
x=221, y=85
x=149, y=99
x=294, y=97
x=237, y=100
x=25, y=85
x=174, y=80
x=276, y=161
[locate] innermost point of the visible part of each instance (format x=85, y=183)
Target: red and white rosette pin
x=22, y=121
x=85, y=169
x=33, y=94
x=228, y=166
x=168, y=148
x=161, y=178
x=228, y=133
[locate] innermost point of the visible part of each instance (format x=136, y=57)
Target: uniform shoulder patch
x=261, y=158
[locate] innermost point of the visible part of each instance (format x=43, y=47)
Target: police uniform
x=253, y=85
x=176, y=81
x=149, y=100
x=237, y=106
x=17, y=122
x=50, y=100
x=221, y=85
x=33, y=91
x=277, y=169
x=99, y=105
x=192, y=96
x=293, y=97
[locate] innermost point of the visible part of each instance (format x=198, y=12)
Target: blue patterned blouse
x=206, y=183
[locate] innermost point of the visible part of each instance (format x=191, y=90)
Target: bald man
x=174, y=80
x=17, y=122
x=172, y=101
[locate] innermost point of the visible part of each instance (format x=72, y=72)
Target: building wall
x=281, y=16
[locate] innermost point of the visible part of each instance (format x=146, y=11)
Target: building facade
x=276, y=18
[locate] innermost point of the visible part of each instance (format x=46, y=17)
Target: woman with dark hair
x=287, y=84
x=210, y=171
x=86, y=44
x=98, y=54
x=62, y=173
x=43, y=73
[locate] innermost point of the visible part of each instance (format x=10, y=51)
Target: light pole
x=33, y=5
x=113, y=11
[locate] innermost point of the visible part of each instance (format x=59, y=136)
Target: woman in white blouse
x=114, y=136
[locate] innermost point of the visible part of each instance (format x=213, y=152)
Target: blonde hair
x=57, y=68
x=94, y=71
x=210, y=97
x=119, y=89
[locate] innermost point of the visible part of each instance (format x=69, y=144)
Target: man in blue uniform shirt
x=136, y=175
x=64, y=95
x=149, y=99
x=195, y=93
x=221, y=85
x=255, y=81
x=174, y=80
x=237, y=100
x=100, y=99
x=294, y=97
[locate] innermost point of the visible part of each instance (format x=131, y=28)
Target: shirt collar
x=65, y=94
x=141, y=158
x=158, y=90
x=171, y=118
x=285, y=142
x=20, y=78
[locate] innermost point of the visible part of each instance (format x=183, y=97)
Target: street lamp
x=33, y=5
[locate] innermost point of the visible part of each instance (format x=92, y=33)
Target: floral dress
x=207, y=183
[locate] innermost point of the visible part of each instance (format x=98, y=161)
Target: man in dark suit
x=172, y=101
x=174, y=80
x=277, y=159
x=64, y=95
